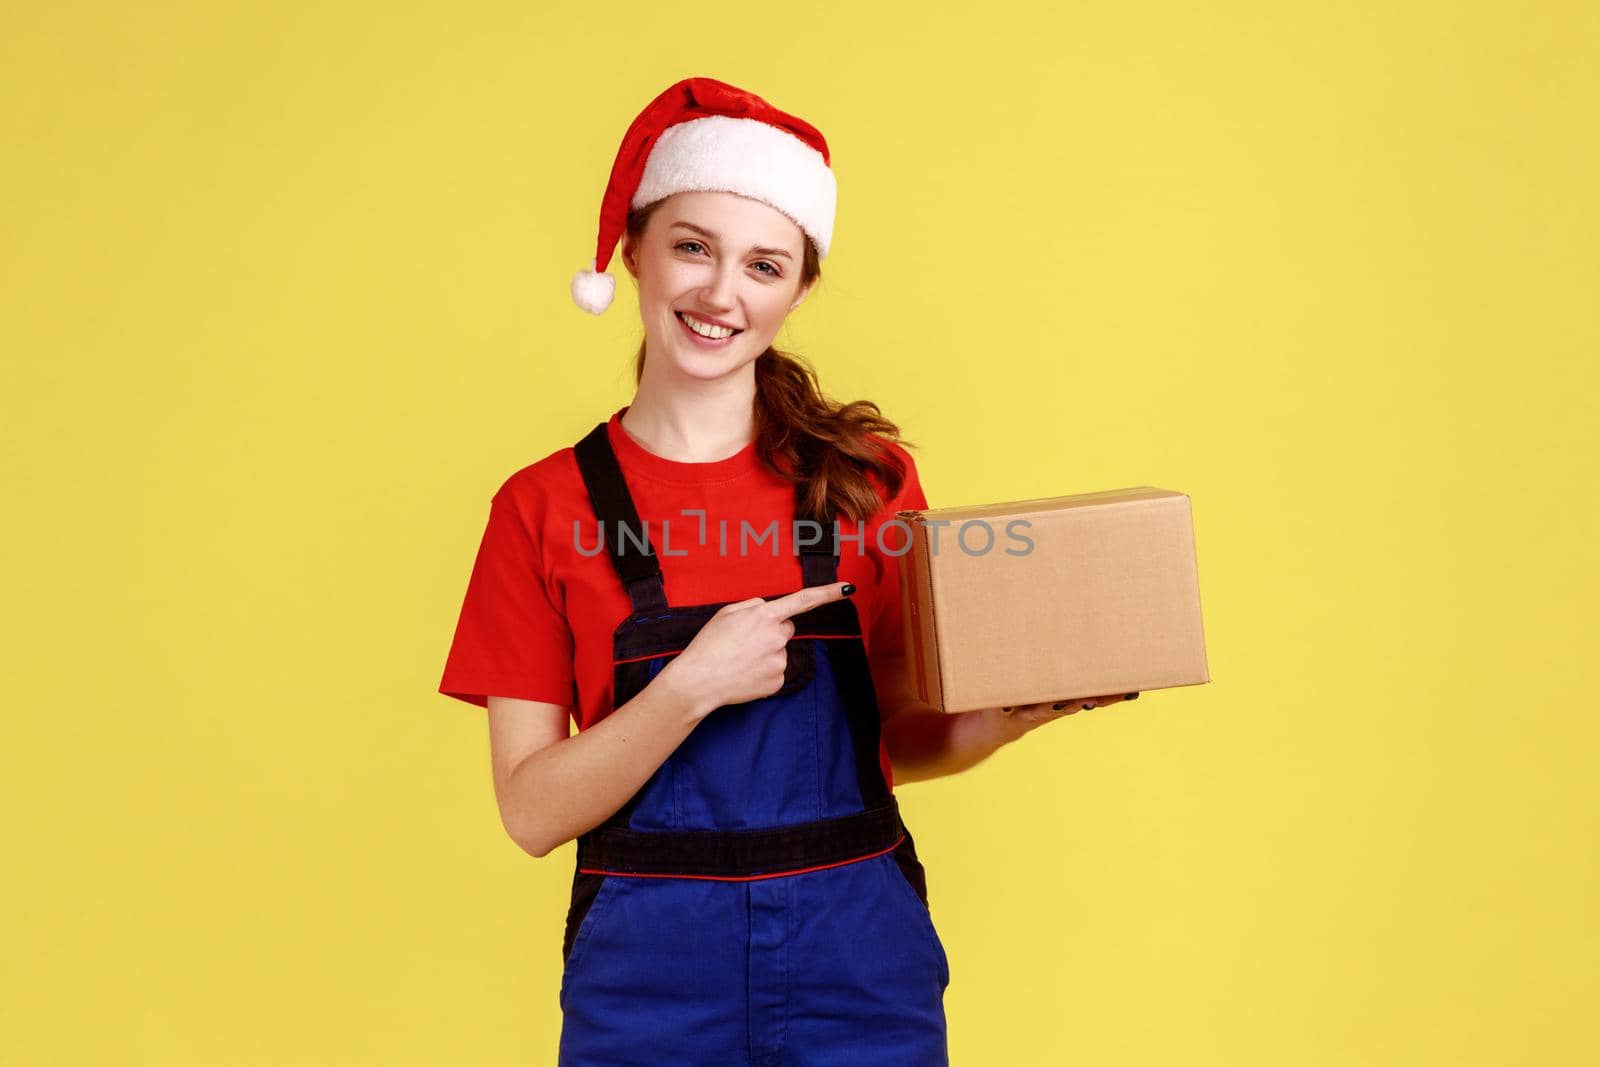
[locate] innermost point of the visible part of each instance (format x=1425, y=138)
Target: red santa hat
x=704, y=134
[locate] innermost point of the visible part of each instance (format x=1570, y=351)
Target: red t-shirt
x=538, y=615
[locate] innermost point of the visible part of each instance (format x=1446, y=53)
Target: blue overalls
x=759, y=900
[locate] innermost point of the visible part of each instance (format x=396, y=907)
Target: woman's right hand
x=741, y=653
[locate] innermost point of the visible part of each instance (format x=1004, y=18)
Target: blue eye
x=773, y=270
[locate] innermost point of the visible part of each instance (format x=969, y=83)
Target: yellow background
x=283, y=299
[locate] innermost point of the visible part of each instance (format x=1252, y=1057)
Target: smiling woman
x=745, y=889
x=712, y=303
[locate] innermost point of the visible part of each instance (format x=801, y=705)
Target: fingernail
x=1058, y=707
x=848, y=588
x=1089, y=705
x=1131, y=696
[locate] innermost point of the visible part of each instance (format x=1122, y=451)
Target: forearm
x=568, y=788
x=924, y=742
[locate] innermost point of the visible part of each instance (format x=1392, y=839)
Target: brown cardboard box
x=1035, y=600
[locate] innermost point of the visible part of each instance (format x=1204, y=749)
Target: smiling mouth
x=703, y=337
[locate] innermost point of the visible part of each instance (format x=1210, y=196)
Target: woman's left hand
x=1031, y=715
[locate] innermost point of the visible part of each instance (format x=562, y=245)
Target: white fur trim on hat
x=745, y=156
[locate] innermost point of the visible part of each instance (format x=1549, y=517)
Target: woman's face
x=721, y=259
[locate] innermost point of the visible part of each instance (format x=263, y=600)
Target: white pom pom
x=591, y=291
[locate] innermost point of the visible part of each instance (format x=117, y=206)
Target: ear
x=799, y=299
x=630, y=257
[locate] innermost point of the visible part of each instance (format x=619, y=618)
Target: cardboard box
x=1036, y=600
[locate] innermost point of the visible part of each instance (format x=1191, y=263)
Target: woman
x=699, y=582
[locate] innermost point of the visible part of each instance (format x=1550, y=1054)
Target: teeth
x=705, y=329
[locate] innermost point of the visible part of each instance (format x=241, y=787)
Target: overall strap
x=620, y=528
x=625, y=534
x=819, y=563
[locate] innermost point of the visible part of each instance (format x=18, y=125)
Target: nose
x=718, y=293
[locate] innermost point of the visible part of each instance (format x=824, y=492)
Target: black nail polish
x=849, y=587
x=1058, y=707
x=1089, y=705
x=1006, y=708
x=1131, y=696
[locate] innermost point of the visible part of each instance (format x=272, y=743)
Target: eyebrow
x=707, y=233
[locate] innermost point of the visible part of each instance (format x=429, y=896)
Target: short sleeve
x=887, y=635
x=510, y=640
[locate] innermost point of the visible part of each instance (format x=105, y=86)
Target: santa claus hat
x=704, y=134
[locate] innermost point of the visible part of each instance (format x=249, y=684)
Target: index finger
x=810, y=597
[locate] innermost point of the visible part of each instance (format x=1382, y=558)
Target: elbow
x=537, y=847
x=531, y=839
x=520, y=823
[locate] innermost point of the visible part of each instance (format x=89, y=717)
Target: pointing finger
x=810, y=597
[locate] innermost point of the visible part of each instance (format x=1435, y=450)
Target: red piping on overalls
x=746, y=877
x=796, y=637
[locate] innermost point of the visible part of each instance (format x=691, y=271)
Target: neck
x=701, y=426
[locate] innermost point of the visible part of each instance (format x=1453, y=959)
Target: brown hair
x=826, y=445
